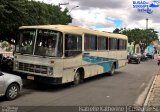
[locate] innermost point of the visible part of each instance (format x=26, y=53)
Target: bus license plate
x=30, y=77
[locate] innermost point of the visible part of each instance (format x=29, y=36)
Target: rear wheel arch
x=115, y=64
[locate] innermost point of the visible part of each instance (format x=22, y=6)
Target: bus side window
x=73, y=45
x=90, y=42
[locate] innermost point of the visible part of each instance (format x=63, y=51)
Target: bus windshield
x=47, y=42
x=25, y=41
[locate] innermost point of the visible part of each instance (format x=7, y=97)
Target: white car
x=10, y=85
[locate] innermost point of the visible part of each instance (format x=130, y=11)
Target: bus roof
x=75, y=30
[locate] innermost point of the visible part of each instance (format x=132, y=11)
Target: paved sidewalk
x=153, y=98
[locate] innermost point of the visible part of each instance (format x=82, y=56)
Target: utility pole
x=146, y=23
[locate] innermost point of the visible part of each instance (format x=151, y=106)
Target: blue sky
x=117, y=23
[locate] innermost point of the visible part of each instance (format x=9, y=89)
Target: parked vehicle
x=158, y=59
x=6, y=63
x=10, y=85
x=150, y=56
x=144, y=57
x=134, y=58
x=158, y=62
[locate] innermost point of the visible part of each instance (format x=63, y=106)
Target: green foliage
x=15, y=13
x=143, y=37
x=116, y=30
x=6, y=46
x=9, y=49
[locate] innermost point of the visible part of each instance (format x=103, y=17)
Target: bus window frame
x=95, y=42
x=114, y=43
x=64, y=45
x=106, y=39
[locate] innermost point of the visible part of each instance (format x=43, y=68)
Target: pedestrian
x=158, y=59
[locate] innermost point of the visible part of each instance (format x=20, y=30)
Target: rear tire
x=112, y=71
x=12, y=91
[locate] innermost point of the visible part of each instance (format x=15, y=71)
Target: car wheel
x=12, y=91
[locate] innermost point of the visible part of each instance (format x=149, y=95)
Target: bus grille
x=33, y=68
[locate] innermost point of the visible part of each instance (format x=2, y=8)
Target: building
x=131, y=50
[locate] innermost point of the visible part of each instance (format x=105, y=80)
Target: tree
x=149, y=35
x=117, y=30
x=15, y=13
x=143, y=37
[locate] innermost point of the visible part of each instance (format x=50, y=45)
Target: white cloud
x=94, y=12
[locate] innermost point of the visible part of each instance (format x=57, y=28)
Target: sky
x=106, y=15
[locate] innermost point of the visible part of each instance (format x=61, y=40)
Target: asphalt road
x=127, y=87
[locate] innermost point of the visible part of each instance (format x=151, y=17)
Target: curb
x=142, y=100
x=150, y=92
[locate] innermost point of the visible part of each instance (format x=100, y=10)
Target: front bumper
x=133, y=60
x=42, y=79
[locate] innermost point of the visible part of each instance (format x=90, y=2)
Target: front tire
x=12, y=91
x=77, y=79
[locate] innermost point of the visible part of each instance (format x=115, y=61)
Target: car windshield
x=47, y=43
x=25, y=41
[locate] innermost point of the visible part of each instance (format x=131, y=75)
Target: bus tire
x=112, y=71
x=77, y=79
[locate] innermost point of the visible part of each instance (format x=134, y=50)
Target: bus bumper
x=42, y=79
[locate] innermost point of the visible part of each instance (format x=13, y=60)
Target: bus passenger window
x=73, y=45
x=102, y=43
x=121, y=44
x=113, y=44
x=90, y=42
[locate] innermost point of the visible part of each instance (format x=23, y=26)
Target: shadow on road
x=36, y=86
x=29, y=87
x=2, y=99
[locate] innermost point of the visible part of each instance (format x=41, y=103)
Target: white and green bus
x=60, y=54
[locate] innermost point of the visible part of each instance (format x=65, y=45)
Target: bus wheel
x=77, y=78
x=112, y=71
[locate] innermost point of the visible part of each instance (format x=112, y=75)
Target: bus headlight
x=50, y=71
